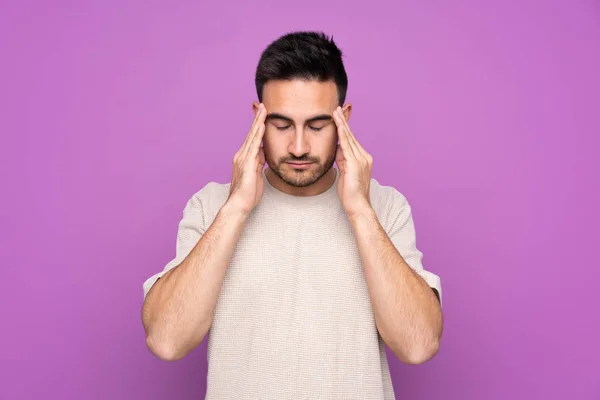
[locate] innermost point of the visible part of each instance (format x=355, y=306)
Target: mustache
x=304, y=158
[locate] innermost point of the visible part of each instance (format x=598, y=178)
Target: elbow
x=166, y=350
x=163, y=349
x=416, y=353
x=169, y=342
x=173, y=346
x=419, y=354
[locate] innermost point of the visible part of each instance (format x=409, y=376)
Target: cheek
x=329, y=141
x=271, y=145
x=267, y=140
x=329, y=135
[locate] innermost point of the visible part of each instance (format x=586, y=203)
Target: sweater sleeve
x=191, y=228
x=400, y=228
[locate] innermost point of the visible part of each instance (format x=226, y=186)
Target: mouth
x=299, y=165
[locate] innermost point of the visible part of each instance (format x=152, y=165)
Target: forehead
x=300, y=98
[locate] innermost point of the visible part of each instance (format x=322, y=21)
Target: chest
x=296, y=267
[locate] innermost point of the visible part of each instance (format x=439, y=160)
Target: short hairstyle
x=302, y=55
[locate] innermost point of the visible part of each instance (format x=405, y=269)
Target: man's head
x=301, y=80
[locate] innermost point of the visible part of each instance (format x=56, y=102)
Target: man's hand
x=355, y=165
x=247, y=182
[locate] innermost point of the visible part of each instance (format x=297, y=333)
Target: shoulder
x=383, y=196
x=209, y=199
x=388, y=202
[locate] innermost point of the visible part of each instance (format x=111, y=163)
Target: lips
x=298, y=165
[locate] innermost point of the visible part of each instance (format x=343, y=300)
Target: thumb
x=261, y=159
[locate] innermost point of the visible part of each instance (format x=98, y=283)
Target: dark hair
x=302, y=55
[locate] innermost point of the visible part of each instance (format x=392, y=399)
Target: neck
x=320, y=186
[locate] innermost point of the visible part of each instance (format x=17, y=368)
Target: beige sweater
x=294, y=318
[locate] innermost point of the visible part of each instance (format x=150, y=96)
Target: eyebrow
x=321, y=117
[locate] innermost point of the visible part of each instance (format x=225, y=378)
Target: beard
x=299, y=177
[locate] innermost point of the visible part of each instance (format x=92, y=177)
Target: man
x=300, y=273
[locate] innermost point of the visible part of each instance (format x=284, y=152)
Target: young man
x=300, y=273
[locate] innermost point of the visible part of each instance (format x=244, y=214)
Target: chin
x=300, y=178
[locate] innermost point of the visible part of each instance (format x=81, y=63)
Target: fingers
x=353, y=142
x=261, y=160
x=339, y=155
x=253, y=151
x=357, y=149
x=345, y=144
x=248, y=136
x=339, y=158
x=257, y=125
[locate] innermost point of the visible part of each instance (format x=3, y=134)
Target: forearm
x=407, y=312
x=178, y=310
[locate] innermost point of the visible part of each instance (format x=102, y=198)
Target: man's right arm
x=179, y=307
x=178, y=310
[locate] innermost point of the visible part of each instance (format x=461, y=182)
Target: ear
x=347, y=110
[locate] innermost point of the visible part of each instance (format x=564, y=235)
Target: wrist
x=232, y=211
x=364, y=214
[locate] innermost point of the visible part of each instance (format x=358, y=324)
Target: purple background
x=484, y=114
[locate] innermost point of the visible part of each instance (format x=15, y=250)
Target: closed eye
x=312, y=128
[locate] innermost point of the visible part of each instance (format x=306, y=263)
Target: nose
x=299, y=145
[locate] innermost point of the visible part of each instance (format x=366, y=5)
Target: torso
x=294, y=317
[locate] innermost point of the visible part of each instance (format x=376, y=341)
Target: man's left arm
x=407, y=311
